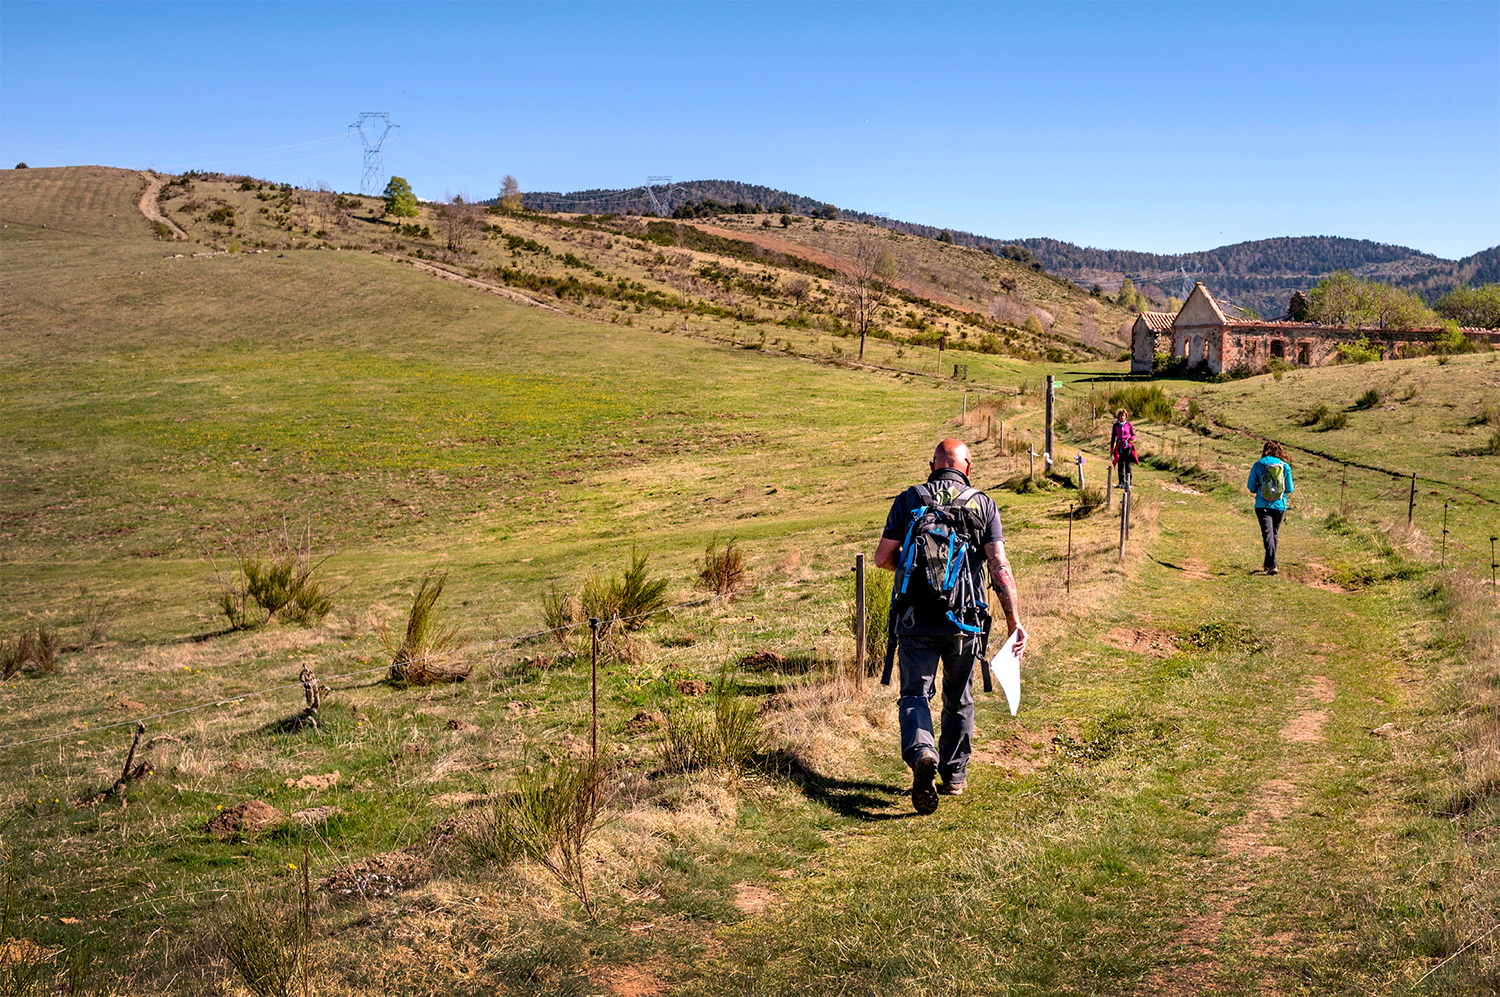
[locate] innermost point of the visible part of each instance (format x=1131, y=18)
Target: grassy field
x=1190, y=800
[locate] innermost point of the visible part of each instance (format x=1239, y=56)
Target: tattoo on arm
x=1003, y=581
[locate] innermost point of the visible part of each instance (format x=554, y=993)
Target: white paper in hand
x=1006, y=668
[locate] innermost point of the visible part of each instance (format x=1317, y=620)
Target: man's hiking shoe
x=951, y=788
x=924, y=795
x=1270, y=571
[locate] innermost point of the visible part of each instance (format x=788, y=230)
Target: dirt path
x=1245, y=844
x=504, y=292
x=149, y=207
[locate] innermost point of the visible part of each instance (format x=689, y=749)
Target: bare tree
x=870, y=270
x=797, y=289
x=461, y=222
x=324, y=204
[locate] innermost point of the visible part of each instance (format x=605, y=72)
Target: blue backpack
x=939, y=572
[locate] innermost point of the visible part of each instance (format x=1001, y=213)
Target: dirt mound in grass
x=248, y=818
x=382, y=875
x=1144, y=640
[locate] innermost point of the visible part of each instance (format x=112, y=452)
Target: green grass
x=420, y=426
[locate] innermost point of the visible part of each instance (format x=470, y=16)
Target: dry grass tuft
x=416, y=658
x=727, y=736
x=35, y=649
x=829, y=725
x=722, y=570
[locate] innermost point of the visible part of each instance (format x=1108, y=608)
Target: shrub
x=1359, y=351
x=414, y=657
x=33, y=649
x=560, y=612
x=1451, y=341
x=1312, y=416
x=726, y=737
x=280, y=583
x=548, y=818
x=1144, y=402
x=24, y=965
x=629, y=598
x=10, y=660
x=877, y=618
x=1494, y=444
x=722, y=572
x=264, y=935
x=1332, y=420
x=39, y=648
x=1368, y=400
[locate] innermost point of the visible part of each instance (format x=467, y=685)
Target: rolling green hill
x=1217, y=781
x=1261, y=274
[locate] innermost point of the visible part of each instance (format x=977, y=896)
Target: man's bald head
x=951, y=453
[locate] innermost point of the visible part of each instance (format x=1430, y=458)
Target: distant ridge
x=1261, y=274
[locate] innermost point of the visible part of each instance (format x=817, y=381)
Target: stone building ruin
x=1203, y=334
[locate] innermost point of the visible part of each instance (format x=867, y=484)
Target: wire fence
x=512, y=640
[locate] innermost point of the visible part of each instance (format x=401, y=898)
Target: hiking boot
x=1270, y=571
x=951, y=788
x=924, y=794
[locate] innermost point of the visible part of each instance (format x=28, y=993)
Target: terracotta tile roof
x=1158, y=321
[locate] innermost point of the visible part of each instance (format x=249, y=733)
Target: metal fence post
x=1068, y=585
x=594, y=689
x=859, y=618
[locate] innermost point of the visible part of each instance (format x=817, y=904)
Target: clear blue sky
x=1167, y=127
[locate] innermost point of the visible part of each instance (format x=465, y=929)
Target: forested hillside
x=1259, y=275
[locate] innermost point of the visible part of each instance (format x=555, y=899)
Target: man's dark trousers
x=1270, y=523
x=922, y=658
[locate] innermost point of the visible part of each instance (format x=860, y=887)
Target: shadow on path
x=858, y=799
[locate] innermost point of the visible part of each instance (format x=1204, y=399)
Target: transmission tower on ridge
x=662, y=206
x=1187, y=277
x=374, y=171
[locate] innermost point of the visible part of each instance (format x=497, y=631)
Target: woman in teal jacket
x=1271, y=481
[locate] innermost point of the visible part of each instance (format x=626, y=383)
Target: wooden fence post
x=1051, y=395
x=1411, y=504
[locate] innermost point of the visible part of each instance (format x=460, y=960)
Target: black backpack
x=938, y=573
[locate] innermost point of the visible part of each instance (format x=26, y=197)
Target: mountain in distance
x=1259, y=275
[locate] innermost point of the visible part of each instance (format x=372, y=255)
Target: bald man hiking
x=938, y=539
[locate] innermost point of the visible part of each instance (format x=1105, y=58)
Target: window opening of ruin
x=1304, y=353
x=1278, y=349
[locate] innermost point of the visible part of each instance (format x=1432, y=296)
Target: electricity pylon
x=662, y=206
x=371, y=179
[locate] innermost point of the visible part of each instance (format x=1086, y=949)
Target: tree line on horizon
x=1258, y=276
